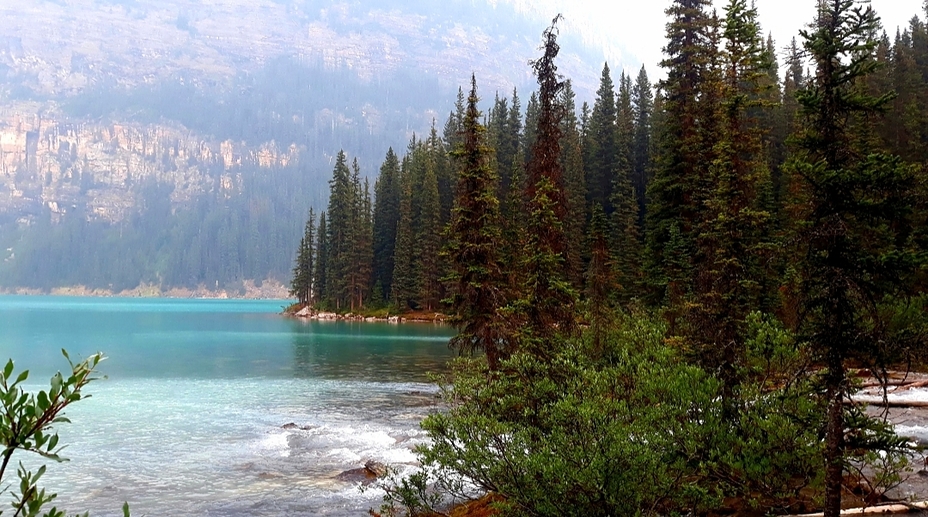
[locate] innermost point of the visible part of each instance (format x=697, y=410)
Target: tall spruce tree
x=731, y=234
x=476, y=279
x=600, y=276
x=321, y=272
x=624, y=236
x=386, y=219
x=643, y=105
x=858, y=219
x=600, y=153
x=688, y=127
x=531, y=126
x=575, y=189
x=430, y=227
x=548, y=299
x=302, y=284
x=405, y=269
x=341, y=211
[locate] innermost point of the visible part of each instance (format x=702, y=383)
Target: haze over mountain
x=180, y=143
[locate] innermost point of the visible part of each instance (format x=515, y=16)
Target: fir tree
x=548, y=299
x=473, y=243
x=386, y=219
x=341, y=211
x=430, y=228
x=600, y=153
x=643, y=105
x=730, y=243
x=301, y=285
x=624, y=235
x=575, y=189
x=858, y=220
x=600, y=276
x=321, y=273
x=531, y=126
x=405, y=270
x=677, y=191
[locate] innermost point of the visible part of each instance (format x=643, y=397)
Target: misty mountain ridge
x=227, y=112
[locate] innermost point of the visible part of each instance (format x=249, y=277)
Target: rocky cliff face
x=55, y=49
x=47, y=160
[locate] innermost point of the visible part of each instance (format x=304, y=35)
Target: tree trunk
x=834, y=436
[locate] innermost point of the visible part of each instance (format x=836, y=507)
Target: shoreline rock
x=249, y=290
x=309, y=313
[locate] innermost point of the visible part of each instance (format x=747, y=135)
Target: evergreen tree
x=455, y=124
x=341, y=211
x=858, y=220
x=386, y=219
x=430, y=227
x=688, y=126
x=600, y=153
x=298, y=285
x=548, y=300
x=531, y=126
x=575, y=188
x=643, y=105
x=512, y=152
x=624, y=235
x=405, y=270
x=321, y=273
x=514, y=229
x=361, y=241
x=473, y=243
x=600, y=276
x=301, y=285
x=730, y=243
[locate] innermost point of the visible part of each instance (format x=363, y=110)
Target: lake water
x=189, y=420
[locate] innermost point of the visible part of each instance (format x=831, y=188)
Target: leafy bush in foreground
x=627, y=428
x=26, y=424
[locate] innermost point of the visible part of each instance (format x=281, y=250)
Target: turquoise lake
x=189, y=420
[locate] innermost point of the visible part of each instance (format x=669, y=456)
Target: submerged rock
x=293, y=426
x=364, y=475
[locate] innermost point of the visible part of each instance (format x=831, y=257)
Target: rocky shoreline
x=249, y=290
x=310, y=313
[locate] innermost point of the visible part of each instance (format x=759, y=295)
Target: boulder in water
x=364, y=475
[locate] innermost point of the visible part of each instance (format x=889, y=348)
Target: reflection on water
x=190, y=420
x=370, y=351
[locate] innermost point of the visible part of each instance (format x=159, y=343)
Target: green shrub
x=627, y=427
x=27, y=423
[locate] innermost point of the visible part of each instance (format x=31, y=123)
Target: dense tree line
x=744, y=210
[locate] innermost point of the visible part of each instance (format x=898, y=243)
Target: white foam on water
x=276, y=443
x=216, y=447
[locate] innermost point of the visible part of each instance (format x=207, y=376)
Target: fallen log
x=892, y=403
x=883, y=509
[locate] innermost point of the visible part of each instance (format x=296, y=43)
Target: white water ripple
x=217, y=447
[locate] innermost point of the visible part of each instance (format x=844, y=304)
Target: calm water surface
x=189, y=420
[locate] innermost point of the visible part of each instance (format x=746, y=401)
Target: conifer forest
x=664, y=300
